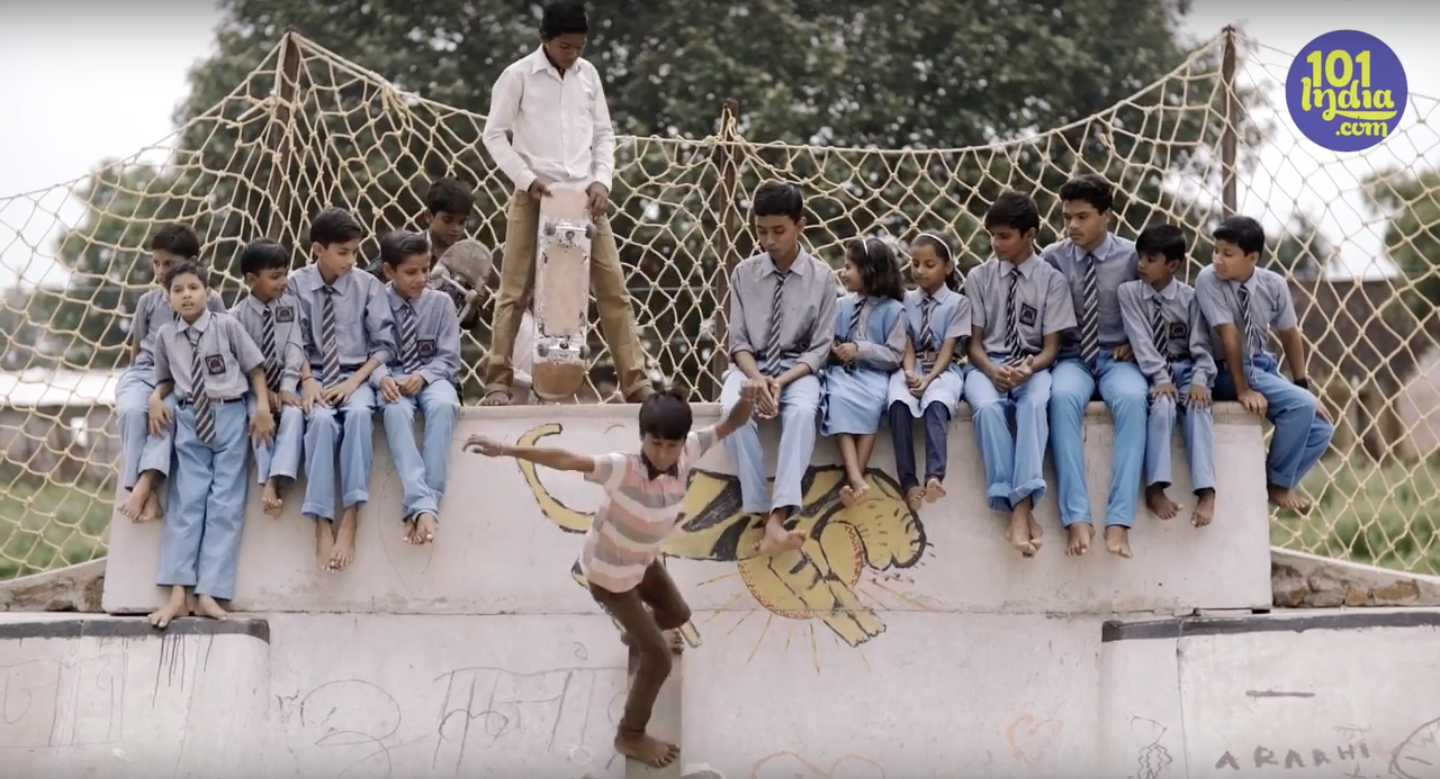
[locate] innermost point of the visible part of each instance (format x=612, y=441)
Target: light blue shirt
x=363, y=324
x=228, y=355
x=1116, y=262
x=437, y=336
x=152, y=311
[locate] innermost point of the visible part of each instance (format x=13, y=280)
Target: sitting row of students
x=1033, y=335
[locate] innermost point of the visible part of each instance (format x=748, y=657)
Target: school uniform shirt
x=1186, y=336
x=1042, y=294
x=560, y=128
x=808, y=302
x=637, y=512
x=227, y=353
x=1271, y=308
x=152, y=311
x=284, y=314
x=1116, y=262
x=949, y=318
x=437, y=336
x=362, y=317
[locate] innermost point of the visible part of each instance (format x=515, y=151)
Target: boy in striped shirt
x=621, y=555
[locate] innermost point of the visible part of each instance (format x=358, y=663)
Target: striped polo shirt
x=636, y=514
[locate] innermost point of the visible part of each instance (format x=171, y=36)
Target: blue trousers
x=348, y=431
x=1301, y=437
x=281, y=456
x=1014, y=464
x=200, y=540
x=1124, y=389
x=799, y=402
x=936, y=420
x=1197, y=426
x=422, y=468
x=141, y=452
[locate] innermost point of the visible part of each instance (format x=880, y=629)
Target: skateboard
x=562, y=294
x=462, y=272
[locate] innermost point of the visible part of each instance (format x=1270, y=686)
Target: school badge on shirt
x=1028, y=315
x=214, y=364
x=1179, y=331
x=284, y=314
x=426, y=348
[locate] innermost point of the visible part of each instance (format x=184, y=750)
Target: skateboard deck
x=462, y=272
x=562, y=294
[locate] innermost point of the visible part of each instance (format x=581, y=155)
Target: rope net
x=307, y=129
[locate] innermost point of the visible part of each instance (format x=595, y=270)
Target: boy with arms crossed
x=621, y=553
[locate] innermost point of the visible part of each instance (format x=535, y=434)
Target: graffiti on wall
x=820, y=580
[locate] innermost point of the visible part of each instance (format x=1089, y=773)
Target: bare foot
x=344, y=552
x=324, y=542
x=152, y=511
x=913, y=497
x=407, y=535
x=1159, y=503
x=852, y=493
x=1080, y=534
x=777, y=539
x=934, y=490
x=647, y=749
x=178, y=606
x=425, y=529
x=1287, y=498
x=496, y=398
x=270, y=500
x=134, y=506
x=1037, y=533
x=207, y=606
x=1205, y=509
x=677, y=641
x=1117, y=540
x=1019, y=534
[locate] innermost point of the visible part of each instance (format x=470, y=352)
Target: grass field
x=1385, y=516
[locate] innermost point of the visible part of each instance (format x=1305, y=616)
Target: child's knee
x=937, y=412
x=324, y=419
x=1163, y=407
x=987, y=410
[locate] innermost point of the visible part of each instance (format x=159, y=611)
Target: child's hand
x=751, y=390
x=289, y=399
x=767, y=398
x=919, y=386
x=1254, y=402
x=262, y=426
x=1198, y=397
x=311, y=393
x=1164, y=390
x=480, y=444
x=411, y=385
x=273, y=399
x=1123, y=353
x=846, y=352
x=389, y=389
x=338, y=394
x=159, y=416
x=911, y=380
x=1002, y=376
x=1323, y=412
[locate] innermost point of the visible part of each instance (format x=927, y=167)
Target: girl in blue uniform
x=870, y=337
x=930, y=383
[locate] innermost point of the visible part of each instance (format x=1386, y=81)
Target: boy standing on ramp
x=621, y=555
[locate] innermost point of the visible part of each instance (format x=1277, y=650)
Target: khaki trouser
x=517, y=281
x=666, y=610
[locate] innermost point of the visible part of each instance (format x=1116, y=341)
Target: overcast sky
x=86, y=81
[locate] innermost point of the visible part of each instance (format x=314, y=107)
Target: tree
x=1412, y=237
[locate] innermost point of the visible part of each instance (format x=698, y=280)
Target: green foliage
x=1412, y=237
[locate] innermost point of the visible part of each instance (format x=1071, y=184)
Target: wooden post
x=724, y=203
x=1228, y=137
x=287, y=73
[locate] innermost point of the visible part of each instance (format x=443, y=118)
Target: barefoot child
x=1242, y=303
x=782, y=325
x=1020, y=305
x=930, y=383
x=422, y=375
x=1172, y=347
x=621, y=553
x=271, y=317
x=146, y=458
x=346, y=326
x=869, y=344
x=210, y=363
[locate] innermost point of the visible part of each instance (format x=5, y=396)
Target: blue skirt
x=855, y=400
x=946, y=389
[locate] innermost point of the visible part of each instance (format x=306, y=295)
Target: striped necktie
x=1248, y=345
x=1089, y=313
x=1012, y=320
x=267, y=346
x=199, y=398
x=410, y=352
x=854, y=331
x=771, y=365
x=927, y=336
x=329, y=346
x=1159, y=333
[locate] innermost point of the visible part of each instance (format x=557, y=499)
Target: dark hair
x=335, y=225
x=179, y=240
x=563, y=19
x=941, y=246
x=879, y=271
x=1163, y=239
x=263, y=255
x=666, y=415
x=778, y=198
x=1013, y=209
x=398, y=246
x=187, y=266
x=449, y=196
x=1089, y=188
x=1241, y=231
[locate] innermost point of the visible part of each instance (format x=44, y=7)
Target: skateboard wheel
x=542, y=349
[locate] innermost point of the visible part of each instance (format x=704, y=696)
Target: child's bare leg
x=1037, y=533
x=1019, y=533
x=178, y=606
x=1159, y=503
x=270, y=499
x=344, y=552
x=1117, y=540
x=1286, y=498
x=1080, y=534
x=207, y=606
x=777, y=539
x=1205, y=508
x=324, y=542
x=134, y=506
x=426, y=526
x=854, y=489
